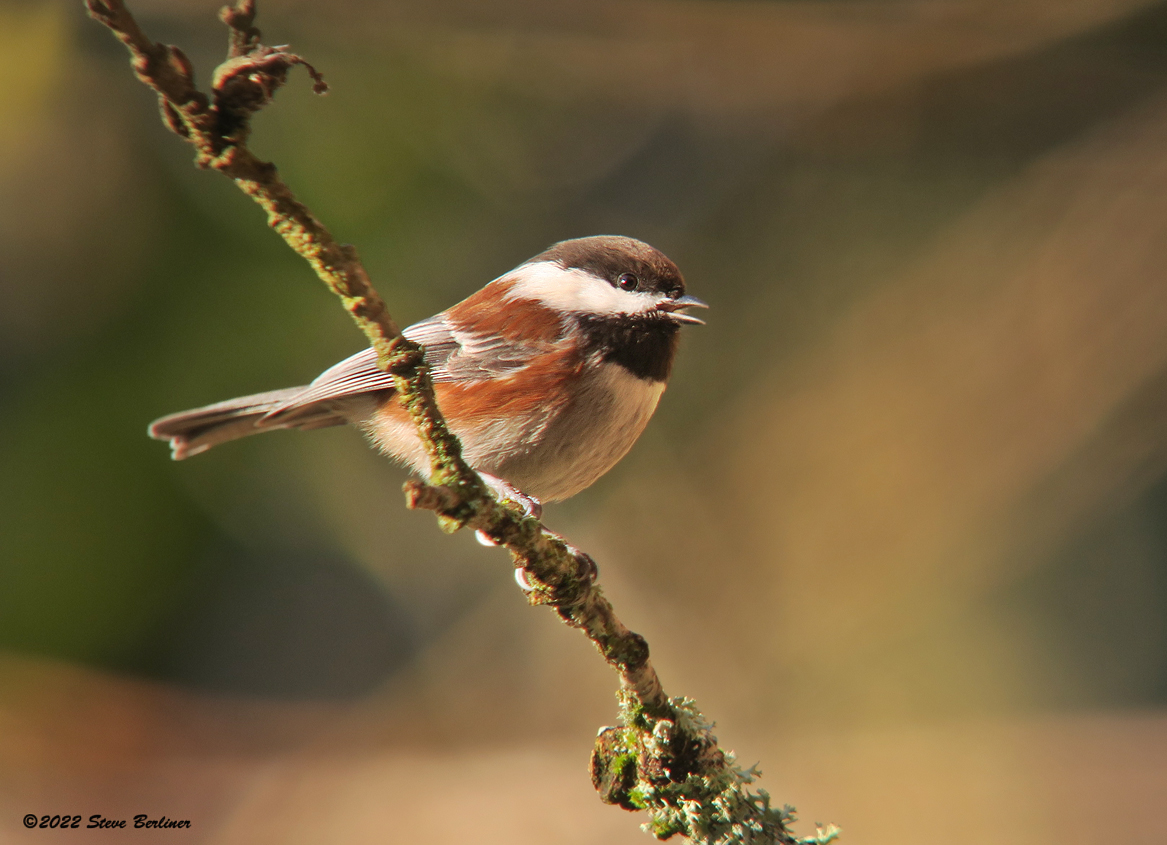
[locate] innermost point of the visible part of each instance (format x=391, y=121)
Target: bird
x=547, y=375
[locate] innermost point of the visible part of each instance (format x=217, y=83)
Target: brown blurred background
x=899, y=526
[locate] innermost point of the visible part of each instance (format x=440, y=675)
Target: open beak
x=674, y=308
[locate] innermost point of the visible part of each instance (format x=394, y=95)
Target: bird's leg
x=505, y=491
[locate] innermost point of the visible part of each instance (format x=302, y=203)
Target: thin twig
x=664, y=757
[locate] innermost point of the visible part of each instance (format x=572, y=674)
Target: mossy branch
x=663, y=758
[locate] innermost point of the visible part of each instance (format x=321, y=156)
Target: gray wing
x=458, y=355
x=452, y=355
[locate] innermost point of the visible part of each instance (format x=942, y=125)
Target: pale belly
x=552, y=453
x=587, y=438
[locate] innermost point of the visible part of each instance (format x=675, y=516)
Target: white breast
x=586, y=439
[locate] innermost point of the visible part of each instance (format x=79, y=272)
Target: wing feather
x=453, y=354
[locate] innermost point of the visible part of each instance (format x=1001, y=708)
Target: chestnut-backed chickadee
x=547, y=375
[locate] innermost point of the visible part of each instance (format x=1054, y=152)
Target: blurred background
x=899, y=525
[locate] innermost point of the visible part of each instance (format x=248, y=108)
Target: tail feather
x=195, y=431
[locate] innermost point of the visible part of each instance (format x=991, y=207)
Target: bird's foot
x=586, y=568
x=504, y=491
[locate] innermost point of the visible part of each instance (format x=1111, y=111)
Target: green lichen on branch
x=663, y=758
x=671, y=767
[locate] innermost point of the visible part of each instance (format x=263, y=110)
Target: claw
x=588, y=568
x=505, y=491
x=521, y=579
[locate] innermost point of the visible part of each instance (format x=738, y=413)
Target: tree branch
x=663, y=757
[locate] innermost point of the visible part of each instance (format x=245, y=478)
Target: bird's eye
x=627, y=281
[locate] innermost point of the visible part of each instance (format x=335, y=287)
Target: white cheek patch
x=576, y=291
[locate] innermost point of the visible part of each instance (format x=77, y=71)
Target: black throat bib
x=643, y=344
